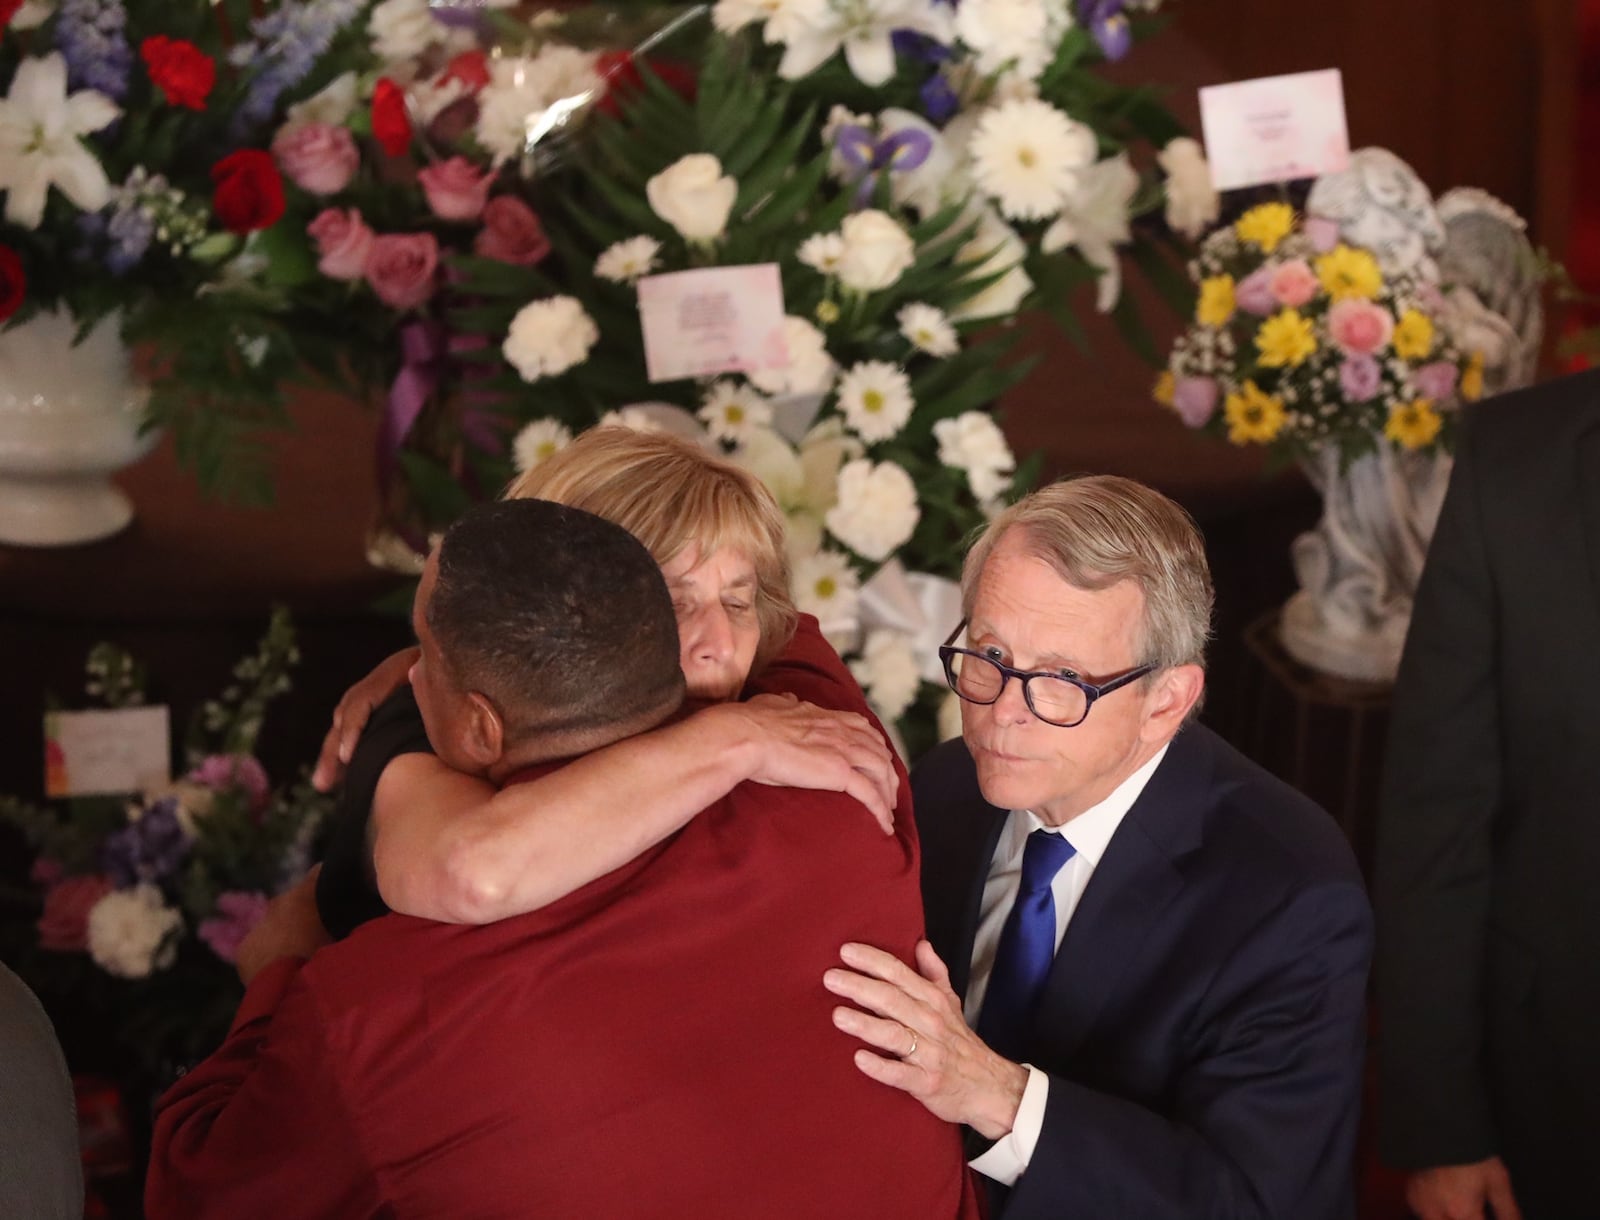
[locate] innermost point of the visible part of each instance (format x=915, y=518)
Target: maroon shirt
x=658, y=1044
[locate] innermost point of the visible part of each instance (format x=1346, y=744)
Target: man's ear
x=1167, y=706
x=483, y=735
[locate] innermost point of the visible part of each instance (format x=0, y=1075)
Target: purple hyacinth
x=149, y=849
x=287, y=44
x=91, y=36
x=1109, y=25
x=129, y=232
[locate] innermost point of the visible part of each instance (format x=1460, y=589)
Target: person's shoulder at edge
x=1521, y=425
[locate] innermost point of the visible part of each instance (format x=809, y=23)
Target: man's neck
x=537, y=749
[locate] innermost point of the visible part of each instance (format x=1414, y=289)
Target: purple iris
x=149, y=849
x=939, y=100
x=1109, y=25
x=867, y=156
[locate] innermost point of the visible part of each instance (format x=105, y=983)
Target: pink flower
x=1253, y=294
x=1293, y=283
x=343, y=243
x=1359, y=328
x=1322, y=233
x=401, y=266
x=237, y=914
x=1194, y=399
x=455, y=190
x=1359, y=378
x=317, y=157
x=1436, y=380
x=64, y=925
x=223, y=772
x=511, y=233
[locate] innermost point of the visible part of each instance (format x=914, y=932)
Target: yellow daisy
x=1413, y=335
x=1413, y=424
x=1266, y=225
x=1346, y=272
x=1286, y=338
x=1472, y=378
x=1165, y=388
x=1215, y=306
x=1253, y=415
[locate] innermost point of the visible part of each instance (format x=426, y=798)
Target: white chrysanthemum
x=875, y=397
x=877, y=251
x=810, y=369
x=928, y=329
x=1192, y=202
x=549, y=336
x=822, y=251
x=730, y=409
x=538, y=442
x=973, y=443
x=528, y=97
x=401, y=30
x=1026, y=155
x=1096, y=220
x=1019, y=34
x=629, y=417
x=888, y=671
x=827, y=586
x=993, y=248
x=877, y=508
x=627, y=260
x=132, y=932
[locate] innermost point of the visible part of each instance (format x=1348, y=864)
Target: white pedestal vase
x=1358, y=569
x=69, y=417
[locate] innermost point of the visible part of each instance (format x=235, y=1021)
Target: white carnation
x=132, y=932
x=627, y=260
x=827, y=586
x=927, y=329
x=810, y=369
x=549, y=336
x=538, y=442
x=730, y=410
x=694, y=196
x=875, y=397
x=877, y=251
x=1026, y=155
x=973, y=442
x=1022, y=35
x=876, y=510
x=994, y=247
x=1192, y=202
x=888, y=671
x=527, y=97
x=402, y=30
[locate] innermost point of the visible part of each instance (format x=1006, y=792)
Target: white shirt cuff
x=1008, y=1159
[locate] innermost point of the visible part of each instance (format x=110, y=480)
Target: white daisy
x=827, y=586
x=627, y=260
x=822, y=251
x=928, y=329
x=1027, y=154
x=539, y=441
x=731, y=409
x=875, y=397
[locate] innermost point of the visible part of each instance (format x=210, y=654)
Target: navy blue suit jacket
x=1203, y=1025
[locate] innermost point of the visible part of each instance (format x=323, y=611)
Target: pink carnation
x=1435, y=381
x=1293, y=283
x=64, y=925
x=344, y=243
x=455, y=189
x=1253, y=294
x=221, y=772
x=1194, y=399
x=401, y=268
x=511, y=233
x=237, y=915
x=1359, y=328
x=317, y=157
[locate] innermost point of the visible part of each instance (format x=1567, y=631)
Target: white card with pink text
x=712, y=320
x=1275, y=129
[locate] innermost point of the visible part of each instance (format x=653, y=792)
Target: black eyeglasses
x=1056, y=698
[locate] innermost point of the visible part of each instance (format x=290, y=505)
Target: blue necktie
x=1027, y=947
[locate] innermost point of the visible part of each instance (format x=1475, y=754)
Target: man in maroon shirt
x=657, y=1044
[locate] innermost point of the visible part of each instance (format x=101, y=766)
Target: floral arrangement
x=1300, y=342
x=144, y=900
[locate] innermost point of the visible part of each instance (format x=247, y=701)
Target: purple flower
x=1253, y=294
x=1360, y=378
x=1194, y=399
x=149, y=849
x=287, y=44
x=939, y=100
x=90, y=36
x=236, y=916
x=1322, y=233
x=1436, y=380
x=228, y=772
x=1109, y=25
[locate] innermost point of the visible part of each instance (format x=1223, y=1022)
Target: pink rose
x=343, y=243
x=511, y=233
x=455, y=190
x=1322, y=233
x=1436, y=381
x=1359, y=328
x=1194, y=399
x=64, y=925
x=222, y=772
x=1293, y=283
x=401, y=266
x=317, y=157
x=1254, y=293
x=237, y=915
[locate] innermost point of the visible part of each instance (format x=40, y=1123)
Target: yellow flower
x=1253, y=415
x=1472, y=378
x=1286, y=338
x=1346, y=272
x=1165, y=388
x=827, y=312
x=1215, y=306
x=1413, y=335
x=1266, y=224
x=1412, y=424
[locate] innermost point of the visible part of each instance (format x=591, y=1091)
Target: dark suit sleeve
x=1261, y=1123
x=1441, y=787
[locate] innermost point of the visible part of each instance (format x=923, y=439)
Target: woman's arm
x=449, y=847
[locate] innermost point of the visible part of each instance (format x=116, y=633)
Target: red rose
x=64, y=924
x=390, y=123
x=13, y=283
x=249, y=192
x=182, y=71
x=471, y=68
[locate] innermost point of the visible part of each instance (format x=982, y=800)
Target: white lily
x=1095, y=219
x=40, y=145
x=813, y=30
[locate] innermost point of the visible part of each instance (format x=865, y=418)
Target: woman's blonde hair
x=672, y=495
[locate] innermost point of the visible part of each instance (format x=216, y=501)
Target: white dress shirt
x=1089, y=833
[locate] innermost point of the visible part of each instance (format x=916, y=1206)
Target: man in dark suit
x=41, y=1177
x=1488, y=865
x=1163, y=950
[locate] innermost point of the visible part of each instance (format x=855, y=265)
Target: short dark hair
x=558, y=616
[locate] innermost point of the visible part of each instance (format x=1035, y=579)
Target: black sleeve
x=347, y=891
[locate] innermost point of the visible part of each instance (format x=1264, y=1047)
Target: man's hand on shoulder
x=290, y=928
x=1462, y=1192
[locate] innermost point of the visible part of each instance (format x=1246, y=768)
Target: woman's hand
x=351, y=716
x=800, y=745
